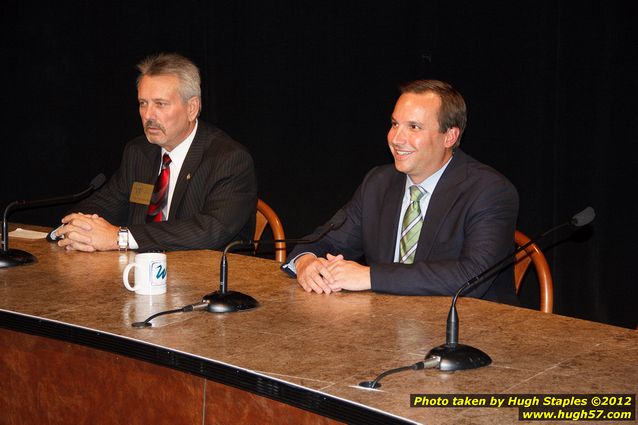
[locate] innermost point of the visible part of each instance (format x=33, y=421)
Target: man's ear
x=193, y=107
x=451, y=136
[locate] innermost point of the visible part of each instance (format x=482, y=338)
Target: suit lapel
x=191, y=163
x=146, y=171
x=389, y=219
x=444, y=196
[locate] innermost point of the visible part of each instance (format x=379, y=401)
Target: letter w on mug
x=150, y=274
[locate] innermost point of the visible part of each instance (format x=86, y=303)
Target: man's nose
x=397, y=135
x=147, y=113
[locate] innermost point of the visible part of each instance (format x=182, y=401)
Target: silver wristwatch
x=122, y=239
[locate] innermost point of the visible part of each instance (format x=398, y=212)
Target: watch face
x=122, y=238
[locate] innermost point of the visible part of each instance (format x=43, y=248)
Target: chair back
x=533, y=255
x=266, y=216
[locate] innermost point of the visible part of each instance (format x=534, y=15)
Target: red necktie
x=160, y=192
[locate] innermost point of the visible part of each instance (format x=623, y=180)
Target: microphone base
x=370, y=384
x=229, y=302
x=458, y=357
x=16, y=257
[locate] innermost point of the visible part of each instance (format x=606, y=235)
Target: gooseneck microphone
x=225, y=301
x=16, y=257
x=453, y=356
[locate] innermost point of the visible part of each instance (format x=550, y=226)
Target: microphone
x=453, y=356
x=225, y=301
x=16, y=257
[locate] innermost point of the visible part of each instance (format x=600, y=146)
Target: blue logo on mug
x=158, y=274
x=161, y=272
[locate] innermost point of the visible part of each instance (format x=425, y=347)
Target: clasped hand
x=331, y=274
x=87, y=232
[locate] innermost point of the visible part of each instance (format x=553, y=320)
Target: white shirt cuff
x=290, y=265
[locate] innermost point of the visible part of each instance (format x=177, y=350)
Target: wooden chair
x=533, y=255
x=268, y=216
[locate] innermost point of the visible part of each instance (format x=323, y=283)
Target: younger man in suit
x=427, y=223
x=185, y=185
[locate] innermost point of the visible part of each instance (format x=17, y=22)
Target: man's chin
x=400, y=166
x=155, y=140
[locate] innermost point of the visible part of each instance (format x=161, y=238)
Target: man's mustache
x=154, y=124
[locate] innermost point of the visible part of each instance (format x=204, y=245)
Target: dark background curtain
x=309, y=88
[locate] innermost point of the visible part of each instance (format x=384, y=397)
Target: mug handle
x=127, y=269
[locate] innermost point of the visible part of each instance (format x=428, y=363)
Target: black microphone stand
x=225, y=301
x=17, y=257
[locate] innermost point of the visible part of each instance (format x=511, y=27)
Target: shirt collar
x=179, y=153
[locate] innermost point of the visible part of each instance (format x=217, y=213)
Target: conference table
x=69, y=352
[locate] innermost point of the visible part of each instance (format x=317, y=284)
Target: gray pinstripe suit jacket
x=469, y=225
x=214, y=201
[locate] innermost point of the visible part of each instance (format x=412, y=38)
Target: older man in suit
x=427, y=223
x=184, y=185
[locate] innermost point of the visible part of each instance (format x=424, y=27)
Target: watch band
x=122, y=238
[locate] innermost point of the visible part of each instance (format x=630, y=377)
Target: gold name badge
x=141, y=193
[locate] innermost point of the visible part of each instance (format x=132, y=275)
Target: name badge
x=141, y=193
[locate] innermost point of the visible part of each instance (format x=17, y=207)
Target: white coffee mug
x=150, y=274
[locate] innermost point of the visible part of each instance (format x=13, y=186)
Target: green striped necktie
x=411, y=227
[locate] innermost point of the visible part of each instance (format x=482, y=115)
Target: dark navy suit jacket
x=469, y=226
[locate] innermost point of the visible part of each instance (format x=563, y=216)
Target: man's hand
x=331, y=274
x=87, y=232
x=348, y=275
x=313, y=274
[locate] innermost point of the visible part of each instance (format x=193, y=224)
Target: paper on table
x=27, y=234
